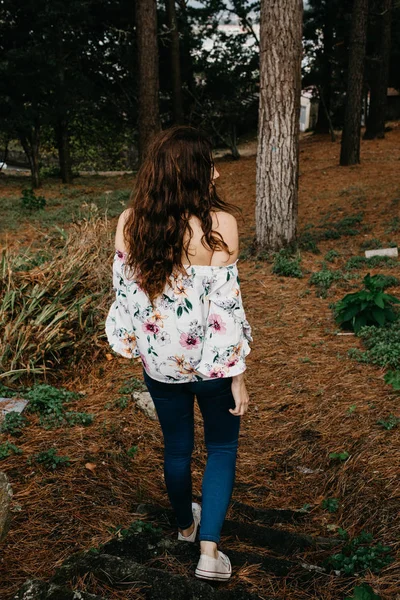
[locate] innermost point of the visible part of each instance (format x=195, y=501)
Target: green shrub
x=7, y=448
x=358, y=555
x=135, y=528
x=331, y=255
x=383, y=347
x=78, y=418
x=13, y=423
x=391, y=422
x=324, y=279
x=394, y=225
x=393, y=379
x=339, y=455
x=328, y=230
x=31, y=202
x=286, y=265
x=370, y=306
x=360, y=262
x=372, y=244
x=363, y=592
x=48, y=402
x=51, y=460
x=330, y=504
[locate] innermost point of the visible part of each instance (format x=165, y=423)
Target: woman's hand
x=240, y=395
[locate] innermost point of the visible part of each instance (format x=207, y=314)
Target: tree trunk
x=148, y=109
x=176, y=81
x=375, y=124
x=278, y=126
x=64, y=155
x=31, y=146
x=350, y=148
x=323, y=124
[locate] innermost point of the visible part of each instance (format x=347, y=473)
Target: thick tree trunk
x=375, y=124
x=176, y=81
x=148, y=109
x=278, y=127
x=350, y=148
x=64, y=155
x=31, y=146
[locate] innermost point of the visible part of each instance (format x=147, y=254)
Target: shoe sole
x=212, y=575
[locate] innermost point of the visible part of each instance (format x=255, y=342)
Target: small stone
x=145, y=403
x=382, y=252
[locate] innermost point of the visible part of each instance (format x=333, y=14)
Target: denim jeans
x=174, y=404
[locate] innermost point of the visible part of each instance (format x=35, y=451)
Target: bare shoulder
x=223, y=221
x=226, y=225
x=119, y=235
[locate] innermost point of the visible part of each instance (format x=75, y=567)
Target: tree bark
x=323, y=124
x=350, y=147
x=148, y=108
x=64, y=155
x=176, y=80
x=278, y=126
x=31, y=145
x=379, y=74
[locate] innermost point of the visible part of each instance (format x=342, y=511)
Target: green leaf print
x=188, y=304
x=179, y=311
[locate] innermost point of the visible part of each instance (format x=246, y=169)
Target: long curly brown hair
x=174, y=183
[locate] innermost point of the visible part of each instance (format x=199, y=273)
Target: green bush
x=31, y=202
x=393, y=379
x=370, y=306
x=330, y=504
x=51, y=460
x=361, y=262
x=390, y=423
x=13, y=423
x=358, y=555
x=331, y=255
x=363, y=592
x=286, y=265
x=7, y=448
x=382, y=347
x=324, y=279
x=48, y=402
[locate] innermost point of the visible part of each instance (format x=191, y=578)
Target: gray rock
x=145, y=403
x=5, y=500
x=33, y=589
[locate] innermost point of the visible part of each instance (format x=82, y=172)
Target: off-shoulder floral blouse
x=198, y=329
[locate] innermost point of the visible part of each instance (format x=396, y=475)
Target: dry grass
x=298, y=415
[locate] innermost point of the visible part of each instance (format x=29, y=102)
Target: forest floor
x=307, y=397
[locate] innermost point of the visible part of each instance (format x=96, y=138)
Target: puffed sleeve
x=227, y=332
x=119, y=328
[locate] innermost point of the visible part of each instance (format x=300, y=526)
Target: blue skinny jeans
x=174, y=404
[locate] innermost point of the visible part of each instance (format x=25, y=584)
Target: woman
x=178, y=306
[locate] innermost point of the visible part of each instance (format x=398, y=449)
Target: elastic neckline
x=121, y=254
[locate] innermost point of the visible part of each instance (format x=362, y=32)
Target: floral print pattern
x=197, y=330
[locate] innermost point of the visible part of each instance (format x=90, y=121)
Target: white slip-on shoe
x=216, y=569
x=196, y=510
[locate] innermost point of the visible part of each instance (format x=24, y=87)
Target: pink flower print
x=189, y=340
x=231, y=361
x=217, y=372
x=150, y=327
x=217, y=324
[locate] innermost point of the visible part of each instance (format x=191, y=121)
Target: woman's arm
x=119, y=235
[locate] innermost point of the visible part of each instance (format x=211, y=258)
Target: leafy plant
x=31, y=202
x=393, y=225
x=363, y=592
x=383, y=348
x=13, y=423
x=339, y=455
x=331, y=255
x=330, y=504
x=131, y=385
x=7, y=448
x=78, y=418
x=358, y=555
x=49, y=401
x=51, y=460
x=286, y=265
x=391, y=422
x=360, y=262
x=324, y=279
x=370, y=306
x=132, y=451
x=393, y=379
x=135, y=528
